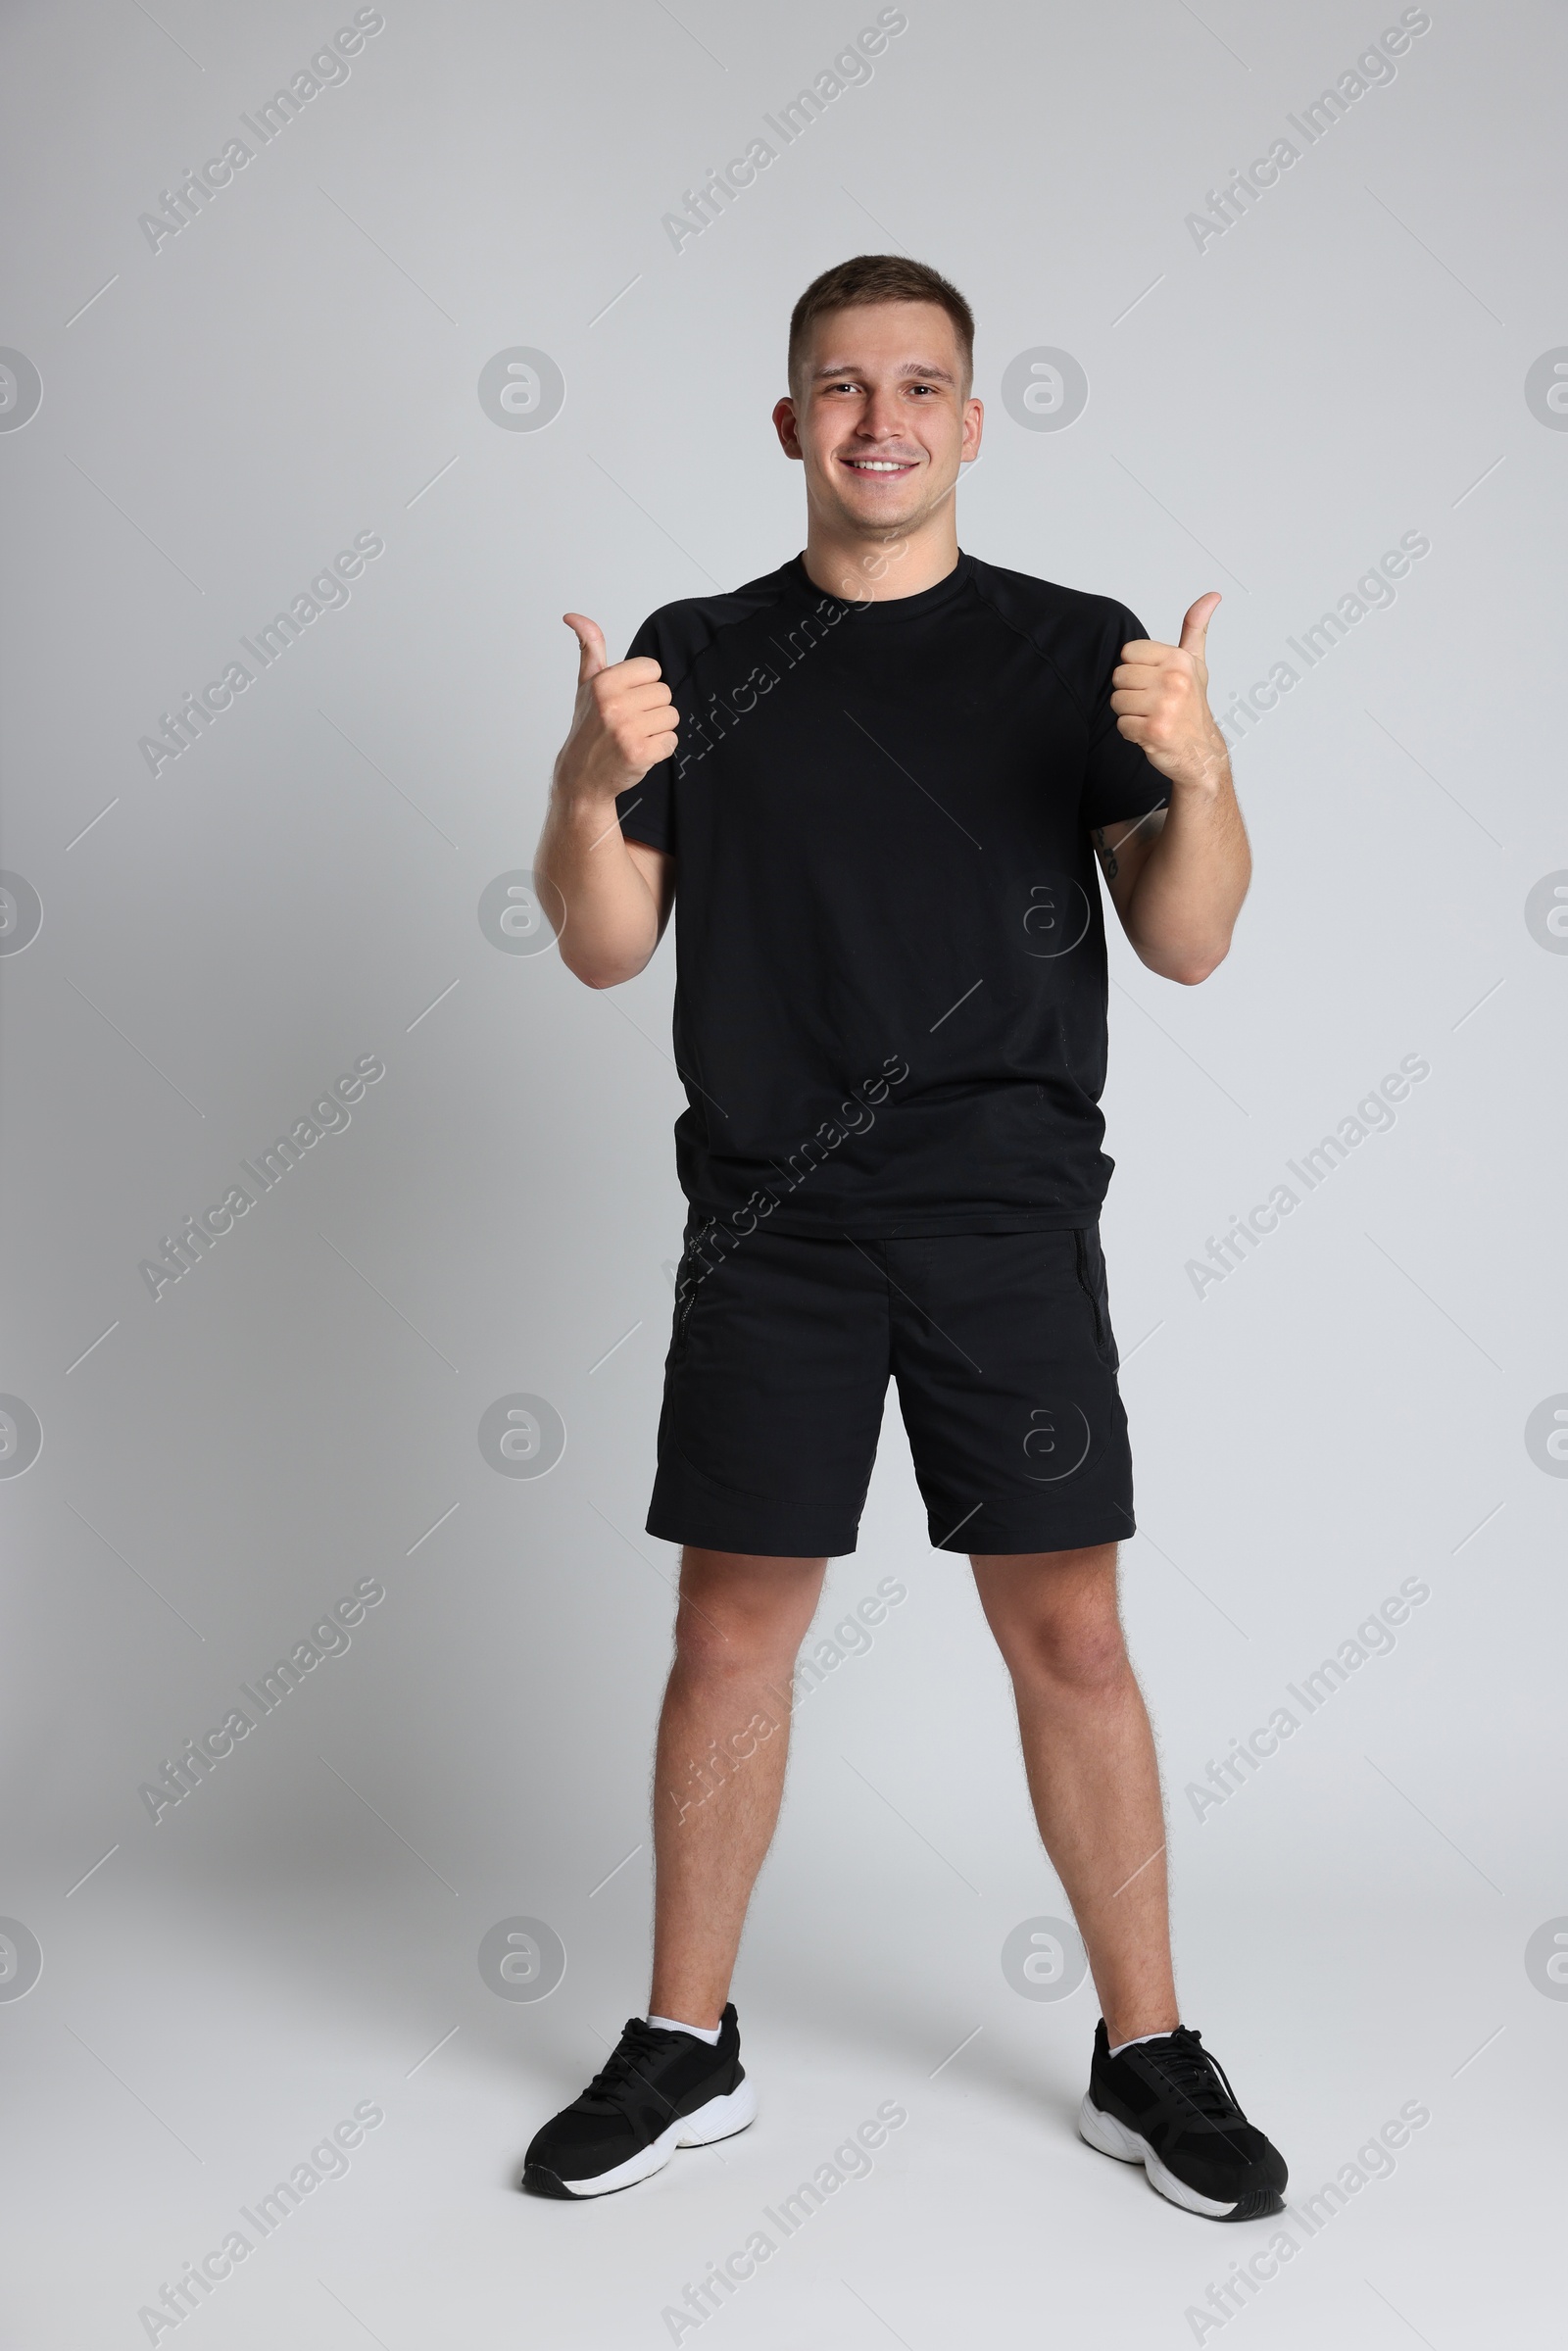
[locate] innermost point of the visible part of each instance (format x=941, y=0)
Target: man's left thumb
x=1194, y=628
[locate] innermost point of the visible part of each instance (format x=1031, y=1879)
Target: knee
x=717, y=1641
x=708, y=1647
x=1080, y=1649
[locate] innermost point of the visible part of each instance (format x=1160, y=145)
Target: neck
x=876, y=567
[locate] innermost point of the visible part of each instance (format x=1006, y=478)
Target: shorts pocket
x=694, y=1270
x=1089, y=1261
x=689, y=1275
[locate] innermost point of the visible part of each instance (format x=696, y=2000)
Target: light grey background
x=1266, y=414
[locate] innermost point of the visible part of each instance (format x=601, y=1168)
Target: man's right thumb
x=590, y=641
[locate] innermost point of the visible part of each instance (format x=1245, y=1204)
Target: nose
x=881, y=420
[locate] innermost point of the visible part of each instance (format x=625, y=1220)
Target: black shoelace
x=624, y=2074
x=1197, y=2078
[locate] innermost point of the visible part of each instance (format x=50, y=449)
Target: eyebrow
x=911, y=368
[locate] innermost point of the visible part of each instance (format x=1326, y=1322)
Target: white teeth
x=876, y=464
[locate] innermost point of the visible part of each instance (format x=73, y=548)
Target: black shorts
x=1006, y=1363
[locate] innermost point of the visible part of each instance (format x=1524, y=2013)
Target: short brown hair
x=880, y=277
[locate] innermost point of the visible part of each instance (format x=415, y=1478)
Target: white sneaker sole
x=720, y=2117
x=1102, y=2132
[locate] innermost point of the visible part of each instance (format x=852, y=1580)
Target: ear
x=784, y=425
x=974, y=418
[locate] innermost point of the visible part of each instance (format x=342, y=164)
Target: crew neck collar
x=886, y=610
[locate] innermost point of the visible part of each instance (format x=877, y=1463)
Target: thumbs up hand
x=1160, y=694
x=624, y=721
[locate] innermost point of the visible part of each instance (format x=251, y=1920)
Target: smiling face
x=880, y=415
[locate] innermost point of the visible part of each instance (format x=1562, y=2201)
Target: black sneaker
x=661, y=2090
x=1167, y=2105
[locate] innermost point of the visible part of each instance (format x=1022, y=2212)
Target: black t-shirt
x=890, y=1001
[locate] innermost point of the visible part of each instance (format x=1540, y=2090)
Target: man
x=874, y=776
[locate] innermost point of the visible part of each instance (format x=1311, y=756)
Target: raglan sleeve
x=646, y=809
x=1118, y=780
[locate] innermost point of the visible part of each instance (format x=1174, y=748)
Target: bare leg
x=1093, y=1776
x=718, y=1771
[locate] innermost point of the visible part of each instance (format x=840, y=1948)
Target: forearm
x=605, y=916
x=1190, y=888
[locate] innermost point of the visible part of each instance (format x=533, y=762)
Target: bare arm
x=1177, y=876
x=609, y=898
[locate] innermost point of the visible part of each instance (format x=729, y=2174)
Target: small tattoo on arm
x=1106, y=853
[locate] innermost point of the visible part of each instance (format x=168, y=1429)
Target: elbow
x=1191, y=969
x=598, y=974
